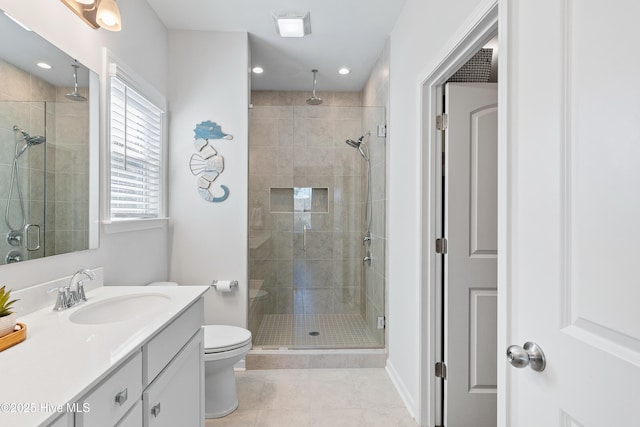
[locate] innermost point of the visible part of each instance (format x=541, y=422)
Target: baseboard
x=401, y=388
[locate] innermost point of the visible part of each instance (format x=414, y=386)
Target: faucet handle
x=72, y=297
x=63, y=299
x=80, y=295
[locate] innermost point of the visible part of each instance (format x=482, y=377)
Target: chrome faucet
x=78, y=294
x=68, y=296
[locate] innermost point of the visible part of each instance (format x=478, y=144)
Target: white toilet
x=224, y=346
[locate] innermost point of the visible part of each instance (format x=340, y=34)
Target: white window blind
x=136, y=154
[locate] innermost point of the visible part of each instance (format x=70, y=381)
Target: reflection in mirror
x=44, y=148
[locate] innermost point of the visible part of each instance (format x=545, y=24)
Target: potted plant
x=7, y=316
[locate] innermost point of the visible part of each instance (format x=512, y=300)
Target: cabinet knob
x=155, y=411
x=121, y=397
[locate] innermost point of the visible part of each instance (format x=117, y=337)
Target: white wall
x=418, y=41
x=210, y=81
x=128, y=258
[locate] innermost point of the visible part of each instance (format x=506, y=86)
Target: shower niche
x=299, y=199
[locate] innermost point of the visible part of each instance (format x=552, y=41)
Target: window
x=136, y=132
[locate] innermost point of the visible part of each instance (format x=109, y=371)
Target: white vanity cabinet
x=162, y=384
x=65, y=420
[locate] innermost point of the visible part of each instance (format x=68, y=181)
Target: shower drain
x=314, y=333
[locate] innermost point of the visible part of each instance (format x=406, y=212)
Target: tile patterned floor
x=334, y=331
x=316, y=398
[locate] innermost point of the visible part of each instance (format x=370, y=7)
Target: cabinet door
x=175, y=398
x=66, y=420
x=133, y=418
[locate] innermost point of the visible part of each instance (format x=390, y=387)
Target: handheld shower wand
x=363, y=149
x=28, y=141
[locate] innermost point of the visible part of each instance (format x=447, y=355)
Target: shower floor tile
x=314, y=331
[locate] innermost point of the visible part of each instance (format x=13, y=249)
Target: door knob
x=531, y=355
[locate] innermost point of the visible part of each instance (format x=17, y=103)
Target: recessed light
x=257, y=70
x=344, y=71
x=292, y=25
x=44, y=65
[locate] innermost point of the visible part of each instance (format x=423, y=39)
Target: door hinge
x=441, y=370
x=442, y=121
x=441, y=245
x=382, y=322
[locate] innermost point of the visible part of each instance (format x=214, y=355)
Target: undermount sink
x=120, y=308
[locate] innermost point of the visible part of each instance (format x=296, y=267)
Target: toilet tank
x=162, y=284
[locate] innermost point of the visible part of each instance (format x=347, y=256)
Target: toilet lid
x=218, y=338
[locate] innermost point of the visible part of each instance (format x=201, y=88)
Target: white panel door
x=571, y=184
x=471, y=218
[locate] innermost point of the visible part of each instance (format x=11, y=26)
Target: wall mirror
x=48, y=148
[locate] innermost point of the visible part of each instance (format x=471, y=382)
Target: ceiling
x=344, y=33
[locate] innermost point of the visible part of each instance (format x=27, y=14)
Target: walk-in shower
x=311, y=201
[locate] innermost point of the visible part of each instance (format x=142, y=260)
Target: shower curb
x=286, y=358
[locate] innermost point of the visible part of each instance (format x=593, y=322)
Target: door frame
x=479, y=29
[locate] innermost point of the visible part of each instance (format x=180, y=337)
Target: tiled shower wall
x=71, y=205
x=23, y=100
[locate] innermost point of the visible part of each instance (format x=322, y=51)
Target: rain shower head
x=314, y=100
x=75, y=96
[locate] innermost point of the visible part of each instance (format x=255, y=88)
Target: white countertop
x=60, y=361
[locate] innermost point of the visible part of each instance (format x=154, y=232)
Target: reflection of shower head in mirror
x=75, y=96
x=28, y=141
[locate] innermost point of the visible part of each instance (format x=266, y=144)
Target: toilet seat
x=221, y=338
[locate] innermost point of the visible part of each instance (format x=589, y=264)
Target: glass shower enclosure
x=310, y=286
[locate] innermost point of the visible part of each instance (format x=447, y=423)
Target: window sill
x=128, y=225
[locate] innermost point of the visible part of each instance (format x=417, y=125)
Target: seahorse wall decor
x=206, y=162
